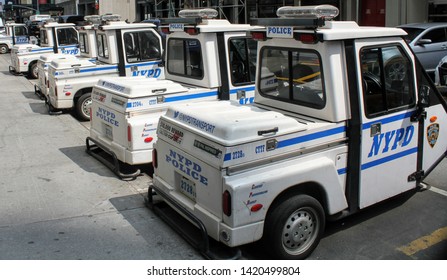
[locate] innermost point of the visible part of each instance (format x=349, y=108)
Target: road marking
x=434, y=189
x=424, y=242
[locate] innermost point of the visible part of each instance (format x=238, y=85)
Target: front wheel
x=294, y=227
x=83, y=105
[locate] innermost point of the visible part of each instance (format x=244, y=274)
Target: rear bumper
x=207, y=222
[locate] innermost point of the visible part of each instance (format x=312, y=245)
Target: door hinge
x=416, y=176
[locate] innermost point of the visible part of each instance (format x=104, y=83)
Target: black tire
x=294, y=227
x=4, y=49
x=33, y=71
x=83, y=105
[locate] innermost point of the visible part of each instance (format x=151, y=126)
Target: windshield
x=412, y=33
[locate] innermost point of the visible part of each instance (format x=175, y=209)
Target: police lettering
x=391, y=140
x=280, y=30
x=186, y=166
x=107, y=116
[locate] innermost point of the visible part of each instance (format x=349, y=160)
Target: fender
x=271, y=180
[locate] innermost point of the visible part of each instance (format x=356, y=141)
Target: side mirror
x=424, y=42
x=424, y=96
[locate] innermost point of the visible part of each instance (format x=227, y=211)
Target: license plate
x=109, y=131
x=188, y=188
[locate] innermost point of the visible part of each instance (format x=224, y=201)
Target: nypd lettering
x=202, y=125
x=280, y=32
x=155, y=73
x=186, y=166
x=107, y=116
x=70, y=51
x=391, y=140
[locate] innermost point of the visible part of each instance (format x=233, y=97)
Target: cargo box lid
x=137, y=87
x=227, y=123
x=70, y=61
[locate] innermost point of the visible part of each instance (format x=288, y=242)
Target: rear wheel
x=4, y=49
x=83, y=105
x=294, y=227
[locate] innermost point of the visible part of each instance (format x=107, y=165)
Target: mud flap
x=13, y=71
x=113, y=164
x=196, y=235
x=38, y=92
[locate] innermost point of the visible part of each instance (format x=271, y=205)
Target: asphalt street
x=59, y=203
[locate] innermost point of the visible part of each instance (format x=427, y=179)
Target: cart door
x=67, y=39
x=434, y=120
x=389, y=137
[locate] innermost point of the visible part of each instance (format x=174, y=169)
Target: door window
x=242, y=60
x=386, y=78
x=436, y=35
x=185, y=58
x=67, y=36
x=293, y=76
x=141, y=46
x=103, y=49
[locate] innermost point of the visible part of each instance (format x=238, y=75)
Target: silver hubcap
x=300, y=230
x=86, y=107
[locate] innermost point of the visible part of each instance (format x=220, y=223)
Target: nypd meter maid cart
x=15, y=34
x=54, y=38
x=207, y=59
x=333, y=130
x=124, y=49
x=87, y=50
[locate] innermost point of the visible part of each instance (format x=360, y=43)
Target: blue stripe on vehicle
x=235, y=90
x=114, y=67
x=191, y=96
x=310, y=137
x=143, y=64
x=302, y=139
x=342, y=171
x=389, y=158
x=388, y=120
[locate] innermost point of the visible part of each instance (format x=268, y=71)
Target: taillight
x=129, y=133
x=148, y=139
x=55, y=91
x=154, y=158
x=192, y=31
x=308, y=38
x=258, y=36
x=165, y=30
x=226, y=203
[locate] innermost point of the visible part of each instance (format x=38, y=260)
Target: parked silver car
x=428, y=41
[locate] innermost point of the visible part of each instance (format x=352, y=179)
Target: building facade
x=365, y=12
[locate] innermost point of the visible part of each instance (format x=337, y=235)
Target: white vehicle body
x=15, y=33
x=125, y=112
x=55, y=38
x=319, y=142
x=87, y=50
x=69, y=81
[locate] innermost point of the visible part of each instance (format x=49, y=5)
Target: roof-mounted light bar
x=93, y=19
x=110, y=17
x=201, y=13
x=326, y=12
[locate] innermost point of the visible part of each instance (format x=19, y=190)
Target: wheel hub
x=299, y=230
